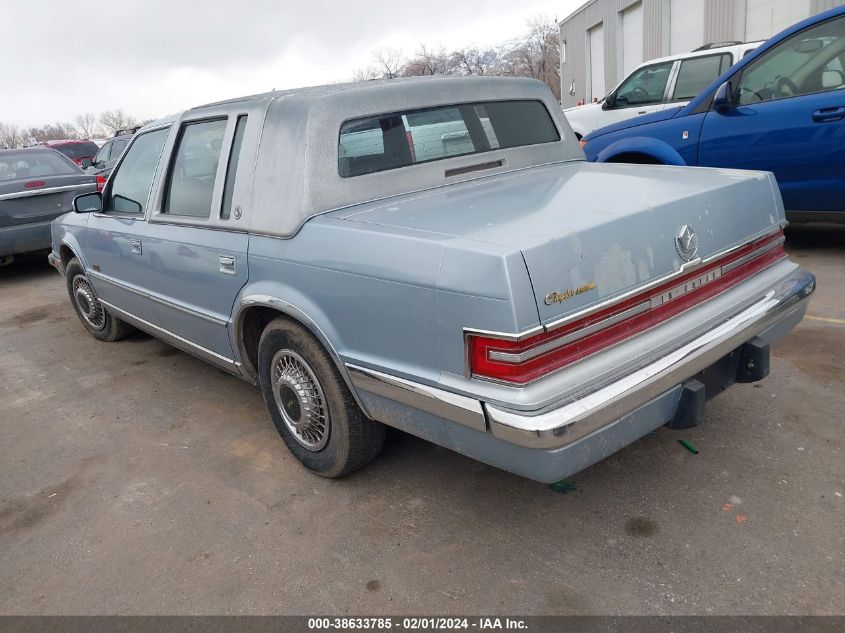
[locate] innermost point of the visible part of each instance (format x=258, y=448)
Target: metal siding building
x=604, y=39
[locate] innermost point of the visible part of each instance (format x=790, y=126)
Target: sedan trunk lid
x=588, y=231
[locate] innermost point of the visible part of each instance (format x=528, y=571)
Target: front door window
x=644, y=87
x=131, y=183
x=808, y=62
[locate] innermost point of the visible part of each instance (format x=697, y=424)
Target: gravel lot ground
x=137, y=479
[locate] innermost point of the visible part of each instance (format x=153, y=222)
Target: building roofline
x=576, y=12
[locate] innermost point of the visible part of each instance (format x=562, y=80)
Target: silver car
x=435, y=255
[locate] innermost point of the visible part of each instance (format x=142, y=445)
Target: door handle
x=823, y=115
x=135, y=245
x=227, y=264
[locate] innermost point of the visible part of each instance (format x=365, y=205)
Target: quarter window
x=807, y=62
x=645, y=86
x=116, y=148
x=104, y=153
x=130, y=184
x=190, y=183
x=696, y=73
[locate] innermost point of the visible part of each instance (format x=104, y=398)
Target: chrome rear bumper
x=774, y=313
x=573, y=420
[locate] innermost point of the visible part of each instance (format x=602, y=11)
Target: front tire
x=94, y=316
x=311, y=406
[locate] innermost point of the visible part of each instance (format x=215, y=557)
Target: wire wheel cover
x=89, y=306
x=300, y=399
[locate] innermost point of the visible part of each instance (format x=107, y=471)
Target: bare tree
x=474, y=61
x=86, y=124
x=50, y=132
x=388, y=62
x=10, y=136
x=366, y=74
x=535, y=54
x=429, y=60
x=114, y=120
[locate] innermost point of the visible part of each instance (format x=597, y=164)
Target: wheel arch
x=252, y=316
x=68, y=249
x=655, y=149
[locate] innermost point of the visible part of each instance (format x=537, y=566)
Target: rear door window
x=232, y=168
x=697, y=73
x=400, y=139
x=190, y=183
x=130, y=184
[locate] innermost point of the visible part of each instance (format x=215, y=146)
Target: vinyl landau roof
x=296, y=175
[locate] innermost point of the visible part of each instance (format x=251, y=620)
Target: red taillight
x=34, y=184
x=526, y=360
x=101, y=182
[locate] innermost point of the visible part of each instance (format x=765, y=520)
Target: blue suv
x=780, y=109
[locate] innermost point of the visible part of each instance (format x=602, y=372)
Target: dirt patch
x=34, y=315
x=641, y=527
x=373, y=585
x=19, y=514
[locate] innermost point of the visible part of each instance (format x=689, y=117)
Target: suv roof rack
x=713, y=45
x=129, y=130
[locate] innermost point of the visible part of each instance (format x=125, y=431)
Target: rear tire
x=94, y=316
x=311, y=405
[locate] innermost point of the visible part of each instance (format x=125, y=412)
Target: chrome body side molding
x=29, y=193
x=165, y=302
x=226, y=364
x=445, y=404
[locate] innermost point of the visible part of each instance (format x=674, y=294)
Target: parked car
x=782, y=109
x=658, y=84
x=36, y=186
x=104, y=161
x=77, y=151
x=512, y=302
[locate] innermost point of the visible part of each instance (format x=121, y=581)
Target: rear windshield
x=34, y=165
x=77, y=150
x=399, y=139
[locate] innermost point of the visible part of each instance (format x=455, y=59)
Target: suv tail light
x=523, y=361
x=101, y=182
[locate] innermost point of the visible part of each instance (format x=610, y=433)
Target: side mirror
x=609, y=101
x=87, y=162
x=722, y=100
x=88, y=202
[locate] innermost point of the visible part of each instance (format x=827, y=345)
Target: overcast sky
x=153, y=58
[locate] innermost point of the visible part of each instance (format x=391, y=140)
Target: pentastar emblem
x=686, y=243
